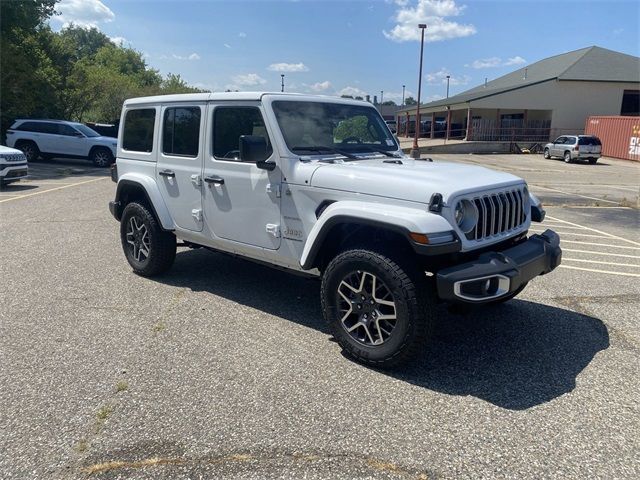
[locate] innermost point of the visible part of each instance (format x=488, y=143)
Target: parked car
x=13, y=165
x=574, y=147
x=320, y=186
x=59, y=138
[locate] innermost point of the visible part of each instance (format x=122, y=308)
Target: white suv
x=13, y=165
x=319, y=186
x=58, y=138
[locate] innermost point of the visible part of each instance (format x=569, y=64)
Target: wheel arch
x=140, y=188
x=341, y=224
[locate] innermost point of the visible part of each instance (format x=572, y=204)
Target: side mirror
x=253, y=149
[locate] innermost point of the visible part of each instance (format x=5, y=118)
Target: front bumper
x=14, y=171
x=497, y=274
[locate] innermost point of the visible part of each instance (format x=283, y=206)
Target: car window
x=229, y=123
x=138, y=129
x=66, y=130
x=559, y=140
x=47, y=127
x=570, y=140
x=181, y=131
x=593, y=141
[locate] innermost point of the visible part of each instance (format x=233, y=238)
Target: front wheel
x=148, y=249
x=546, y=154
x=378, y=311
x=102, y=157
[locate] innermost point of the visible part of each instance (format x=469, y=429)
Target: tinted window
x=559, y=140
x=39, y=127
x=571, y=140
x=27, y=127
x=181, y=131
x=594, y=141
x=229, y=123
x=138, y=130
x=88, y=132
x=66, y=130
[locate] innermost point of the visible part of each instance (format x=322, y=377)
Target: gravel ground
x=223, y=368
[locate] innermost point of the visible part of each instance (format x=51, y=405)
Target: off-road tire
x=30, y=150
x=546, y=154
x=567, y=157
x=593, y=161
x=414, y=302
x=161, y=244
x=101, y=157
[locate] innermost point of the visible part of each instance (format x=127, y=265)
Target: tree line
x=75, y=74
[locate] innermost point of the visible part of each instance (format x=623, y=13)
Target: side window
x=138, y=130
x=229, y=123
x=46, y=127
x=66, y=130
x=559, y=140
x=181, y=131
x=28, y=127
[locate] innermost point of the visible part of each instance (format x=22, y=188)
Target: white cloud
x=193, y=56
x=250, y=79
x=120, y=41
x=493, y=62
x=84, y=13
x=288, y=67
x=517, y=60
x=397, y=96
x=433, y=13
x=440, y=78
x=242, y=35
x=320, y=86
x=353, y=91
x=226, y=45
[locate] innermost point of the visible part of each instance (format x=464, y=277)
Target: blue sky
x=353, y=47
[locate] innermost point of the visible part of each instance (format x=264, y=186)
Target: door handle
x=167, y=173
x=216, y=180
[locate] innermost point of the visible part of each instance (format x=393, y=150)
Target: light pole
x=381, y=96
x=403, y=94
x=282, y=84
x=448, y=77
x=415, y=150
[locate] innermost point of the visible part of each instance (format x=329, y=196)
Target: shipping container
x=620, y=136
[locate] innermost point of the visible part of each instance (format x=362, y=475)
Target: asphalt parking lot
x=223, y=368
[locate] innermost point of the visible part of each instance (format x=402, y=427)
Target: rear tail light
x=576, y=148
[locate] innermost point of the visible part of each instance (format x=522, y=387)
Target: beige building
x=535, y=103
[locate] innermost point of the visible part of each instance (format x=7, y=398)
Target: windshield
x=334, y=126
x=88, y=132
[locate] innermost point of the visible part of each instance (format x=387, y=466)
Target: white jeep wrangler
x=319, y=185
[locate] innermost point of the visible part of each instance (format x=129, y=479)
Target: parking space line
x=610, y=235
x=53, y=189
x=600, y=244
x=623, y=274
x=572, y=234
x=574, y=194
x=563, y=226
x=600, y=253
x=581, y=260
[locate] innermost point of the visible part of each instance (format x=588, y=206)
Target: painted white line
x=573, y=234
x=622, y=274
x=573, y=194
x=600, y=253
x=53, y=189
x=592, y=206
x=599, y=244
x=564, y=259
x=545, y=224
x=597, y=231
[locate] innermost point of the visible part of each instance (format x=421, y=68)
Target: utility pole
x=415, y=150
x=448, y=77
x=381, y=96
x=403, y=94
x=282, y=84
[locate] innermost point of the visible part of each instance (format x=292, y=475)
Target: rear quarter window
x=139, y=125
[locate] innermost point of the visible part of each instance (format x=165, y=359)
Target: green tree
x=410, y=101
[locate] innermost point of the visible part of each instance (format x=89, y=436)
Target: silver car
x=574, y=147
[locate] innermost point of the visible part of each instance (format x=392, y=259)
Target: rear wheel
x=148, y=249
x=592, y=161
x=378, y=311
x=546, y=153
x=101, y=157
x=567, y=157
x=30, y=150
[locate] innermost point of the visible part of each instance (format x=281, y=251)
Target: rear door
x=179, y=166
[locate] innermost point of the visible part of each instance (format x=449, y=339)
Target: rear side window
x=181, y=131
x=138, y=130
x=593, y=141
x=39, y=127
x=229, y=123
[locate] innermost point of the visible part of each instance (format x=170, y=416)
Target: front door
x=179, y=167
x=70, y=141
x=241, y=201
x=557, y=146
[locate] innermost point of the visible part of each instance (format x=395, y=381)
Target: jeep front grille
x=498, y=213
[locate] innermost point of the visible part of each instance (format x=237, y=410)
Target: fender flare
x=403, y=220
x=153, y=197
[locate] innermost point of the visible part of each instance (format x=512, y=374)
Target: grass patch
x=122, y=386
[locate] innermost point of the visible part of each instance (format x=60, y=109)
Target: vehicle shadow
x=61, y=168
x=515, y=356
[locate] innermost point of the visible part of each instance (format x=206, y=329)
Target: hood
x=414, y=180
x=105, y=139
x=9, y=150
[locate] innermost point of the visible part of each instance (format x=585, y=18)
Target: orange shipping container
x=620, y=136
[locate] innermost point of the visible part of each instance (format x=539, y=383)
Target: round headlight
x=466, y=215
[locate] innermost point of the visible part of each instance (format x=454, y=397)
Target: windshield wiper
x=324, y=148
